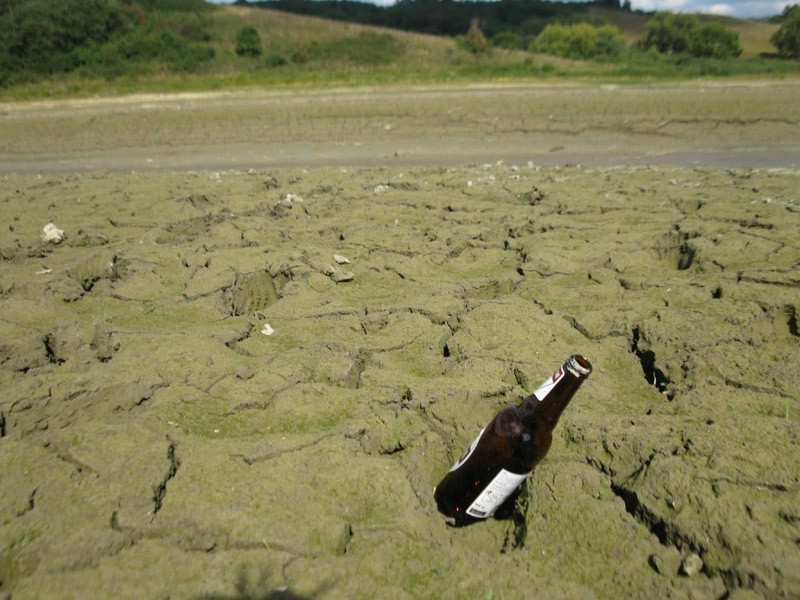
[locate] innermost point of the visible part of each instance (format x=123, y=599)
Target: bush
x=669, y=33
x=40, y=37
x=714, y=41
x=676, y=34
x=140, y=47
x=474, y=40
x=581, y=40
x=507, y=39
x=105, y=38
x=787, y=38
x=248, y=42
x=275, y=59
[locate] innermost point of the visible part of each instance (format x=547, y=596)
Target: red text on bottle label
x=544, y=389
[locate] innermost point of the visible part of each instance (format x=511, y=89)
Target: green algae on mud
x=155, y=441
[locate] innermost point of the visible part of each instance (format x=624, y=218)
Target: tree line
x=443, y=17
x=98, y=38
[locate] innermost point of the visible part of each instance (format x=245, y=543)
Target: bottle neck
x=550, y=399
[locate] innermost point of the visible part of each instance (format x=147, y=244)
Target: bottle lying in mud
x=486, y=480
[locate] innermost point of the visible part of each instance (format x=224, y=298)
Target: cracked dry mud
x=155, y=443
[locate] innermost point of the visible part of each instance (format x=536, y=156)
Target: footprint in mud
x=87, y=239
x=61, y=344
x=188, y=230
x=250, y=292
x=64, y=343
x=676, y=250
x=104, y=343
x=199, y=201
x=23, y=354
x=97, y=266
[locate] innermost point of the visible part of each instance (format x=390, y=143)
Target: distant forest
x=526, y=18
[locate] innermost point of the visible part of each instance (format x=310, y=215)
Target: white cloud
x=735, y=8
x=675, y=5
x=720, y=9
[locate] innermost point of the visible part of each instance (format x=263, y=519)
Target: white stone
x=52, y=234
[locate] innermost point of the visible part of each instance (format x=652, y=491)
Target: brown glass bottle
x=486, y=479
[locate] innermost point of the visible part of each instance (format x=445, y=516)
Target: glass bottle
x=487, y=478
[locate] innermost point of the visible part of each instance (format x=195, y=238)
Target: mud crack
x=647, y=358
x=51, y=351
x=160, y=490
x=667, y=534
x=241, y=336
x=576, y=325
x=30, y=505
x=251, y=460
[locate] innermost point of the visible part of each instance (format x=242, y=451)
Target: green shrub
x=508, y=39
x=143, y=46
x=580, y=40
x=248, y=42
x=275, y=59
x=40, y=37
x=675, y=34
x=787, y=38
x=97, y=38
x=474, y=40
x=715, y=41
x=669, y=33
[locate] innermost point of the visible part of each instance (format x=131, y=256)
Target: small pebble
x=691, y=565
x=340, y=276
x=245, y=373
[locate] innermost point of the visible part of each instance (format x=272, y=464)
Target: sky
x=752, y=9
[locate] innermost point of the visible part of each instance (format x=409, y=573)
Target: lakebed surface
x=244, y=380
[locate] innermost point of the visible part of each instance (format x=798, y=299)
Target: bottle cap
x=578, y=365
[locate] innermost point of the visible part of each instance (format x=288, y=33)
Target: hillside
x=753, y=35
x=307, y=40
x=524, y=18
x=162, y=50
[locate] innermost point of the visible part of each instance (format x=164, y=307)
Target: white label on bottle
x=544, y=389
x=494, y=494
x=469, y=451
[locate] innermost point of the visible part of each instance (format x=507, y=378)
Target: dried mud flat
x=202, y=399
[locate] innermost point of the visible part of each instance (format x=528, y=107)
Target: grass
x=301, y=51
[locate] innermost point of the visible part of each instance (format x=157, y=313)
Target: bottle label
x=469, y=451
x=494, y=494
x=544, y=389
